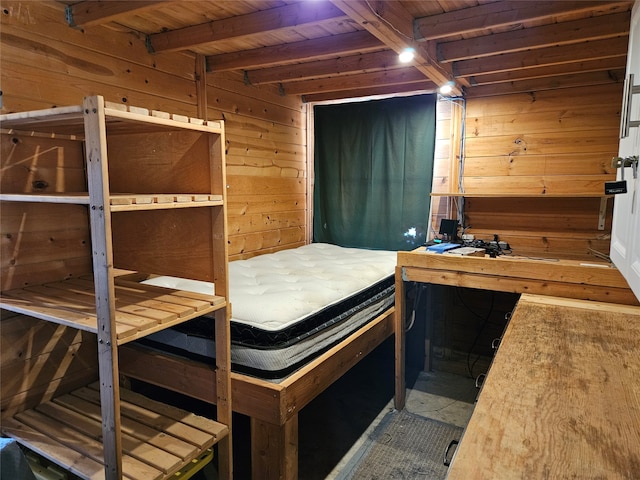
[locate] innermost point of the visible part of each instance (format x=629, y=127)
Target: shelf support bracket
x=603, y=212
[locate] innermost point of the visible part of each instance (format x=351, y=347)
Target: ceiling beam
x=288, y=16
x=565, y=33
x=426, y=86
x=392, y=24
x=84, y=14
x=350, y=82
x=503, y=14
x=551, y=83
x=605, y=64
x=366, y=62
x=306, y=50
x=598, y=49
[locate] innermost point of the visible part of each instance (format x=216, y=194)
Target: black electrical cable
x=485, y=320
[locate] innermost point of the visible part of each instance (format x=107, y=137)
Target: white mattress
x=286, y=305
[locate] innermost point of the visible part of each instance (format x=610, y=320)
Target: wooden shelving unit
x=149, y=208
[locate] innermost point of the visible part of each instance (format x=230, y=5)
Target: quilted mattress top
x=276, y=290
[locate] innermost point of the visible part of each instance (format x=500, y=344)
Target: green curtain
x=373, y=172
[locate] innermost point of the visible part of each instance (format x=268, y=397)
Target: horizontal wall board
x=264, y=242
x=25, y=248
x=514, y=165
x=574, y=119
x=240, y=126
x=17, y=276
x=238, y=102
x=49, y=21
x=250, y=204
x=43, y=369
x=538, y=185
x=252, y=185
x=532, y=221
x=29, y=49
x=604, y=140
x=243, y=224
x=19, y=80
x=545, y=101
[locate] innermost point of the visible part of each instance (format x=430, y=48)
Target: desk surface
x=562, y=397
x=586, y=280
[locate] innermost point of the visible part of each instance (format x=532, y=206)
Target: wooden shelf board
x=80, y=198
x=118, y=117
x=123, y=202
x=158, y=440
x=520, y=195
x=140, y=309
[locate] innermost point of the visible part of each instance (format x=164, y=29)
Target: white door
x=625, y=235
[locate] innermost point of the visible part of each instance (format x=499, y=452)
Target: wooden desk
x=562, y=397
x=587, y=280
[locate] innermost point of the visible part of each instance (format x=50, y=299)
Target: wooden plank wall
x=549, y=153
x=42, y=242
x=40, y=360
x=45, y=63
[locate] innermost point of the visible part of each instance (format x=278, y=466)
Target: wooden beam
x=604, y=64
x=87, y=13
x=288, y=16
x=350, y=82
x=598, y=49
x=367, y=62
x=392, y=24
x=306, y=50
x=201, y=85
x=550, y=83
x=425, y=86
x=502, y=14
x=564, y=33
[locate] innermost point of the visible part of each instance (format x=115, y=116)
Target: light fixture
x=407, y=55
x=447, y=88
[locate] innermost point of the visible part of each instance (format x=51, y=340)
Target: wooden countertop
x=587, y=280
x=562, y=397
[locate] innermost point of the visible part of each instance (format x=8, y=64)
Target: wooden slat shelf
x=119, y=119
x=105, y=158
x=140, y=309
x=520, y=195
x=158, y=439
x=122, y=202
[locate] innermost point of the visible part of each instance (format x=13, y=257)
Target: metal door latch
x=620, y=186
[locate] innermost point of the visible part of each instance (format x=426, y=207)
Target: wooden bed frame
x=272, y=407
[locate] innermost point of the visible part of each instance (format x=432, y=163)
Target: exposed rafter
x=384, y=60
x=502, y=14
x=392, y=24
x=271, y=20
x=566, y=33
x=84, y=14
x=350, y=82
x=598, y=49
x=321, y=48
x=339, y=48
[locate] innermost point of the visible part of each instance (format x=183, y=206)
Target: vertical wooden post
x=399, y=342
x=201, y=85
x=102, y=253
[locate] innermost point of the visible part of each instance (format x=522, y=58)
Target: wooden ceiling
x=326, y=50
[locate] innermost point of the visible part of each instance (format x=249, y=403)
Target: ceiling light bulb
x=407, y=55
x=447, y=88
